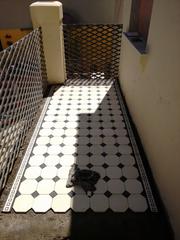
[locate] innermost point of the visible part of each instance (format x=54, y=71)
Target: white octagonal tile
x=52, y=160
x=42, y=140
x=130, y=172
x=42, y=203
x=40, y=150
x=45, y=186
x=99, y=203
x=80, y=203
x=115, y=186
x=118, y=203
x=133, y=186
x=49, y=172
x=36, y=160
x=125, y=149
x=137, y=203
x=23, y=203
x=28, y=186
x=32, y=172
x=61, y=203
x=113, y=172
x=127, y=160
x=60, y=187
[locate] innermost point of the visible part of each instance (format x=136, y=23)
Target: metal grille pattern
x=92, y=51
x=22, y=76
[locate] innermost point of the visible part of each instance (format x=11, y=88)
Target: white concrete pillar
x=48, y=16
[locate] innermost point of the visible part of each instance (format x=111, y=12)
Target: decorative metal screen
x=22, y=72
x=92, y=51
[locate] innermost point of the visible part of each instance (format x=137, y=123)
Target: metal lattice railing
x=92, y=51
x=22, y=78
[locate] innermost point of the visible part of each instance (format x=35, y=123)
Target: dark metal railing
x=92, y=51
x=22, y=80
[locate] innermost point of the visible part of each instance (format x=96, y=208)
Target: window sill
x=138, y=42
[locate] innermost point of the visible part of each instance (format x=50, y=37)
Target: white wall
x=151, y=85
x=15, y=13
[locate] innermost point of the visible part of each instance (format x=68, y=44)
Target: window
x=141, y=16
x=139, y=22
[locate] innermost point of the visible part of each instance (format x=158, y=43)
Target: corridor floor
x=84, y=123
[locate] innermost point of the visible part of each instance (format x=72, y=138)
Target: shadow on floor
x=111, y=225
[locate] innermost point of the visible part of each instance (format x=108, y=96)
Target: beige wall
x=151, y=85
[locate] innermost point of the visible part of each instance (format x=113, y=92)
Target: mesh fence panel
x=22, y=78
x=92, y=51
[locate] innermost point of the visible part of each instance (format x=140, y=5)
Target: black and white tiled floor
x=85, y=124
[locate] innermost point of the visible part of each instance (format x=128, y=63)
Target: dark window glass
x=140, y=17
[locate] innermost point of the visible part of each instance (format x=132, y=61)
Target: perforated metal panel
x=22, y=77
x=92, y=51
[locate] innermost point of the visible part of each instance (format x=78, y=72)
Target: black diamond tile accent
x=107, y=194
x=64, y=128
x=56, y=178
x=89, y=154
x=28, y=165
x=38, y=179
x=75, y=154
x=118, y=154
x=60, y=154
x=89, y=136
x=105, y=165
x=103, y=144
x=106, y=178
x=51, y=136
x=42, y=165
x=89, y=144
x=63, y=136
x=126, y=194
x=18, y=194
x=120, y=165
x=89, y=165
x=48, y=144
x=71, y=194
x=35, y=194
x=53, y=128
x=117, y=144
x=46, y=154
x=58, y=166
x=102, y=136
x=123, y=179
x=115, y=136
x=62, y=145
x=23, y=178
x=104, y=154
x=53, y=194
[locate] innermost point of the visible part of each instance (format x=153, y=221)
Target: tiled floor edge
x=137, y=154
x=14, y=188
